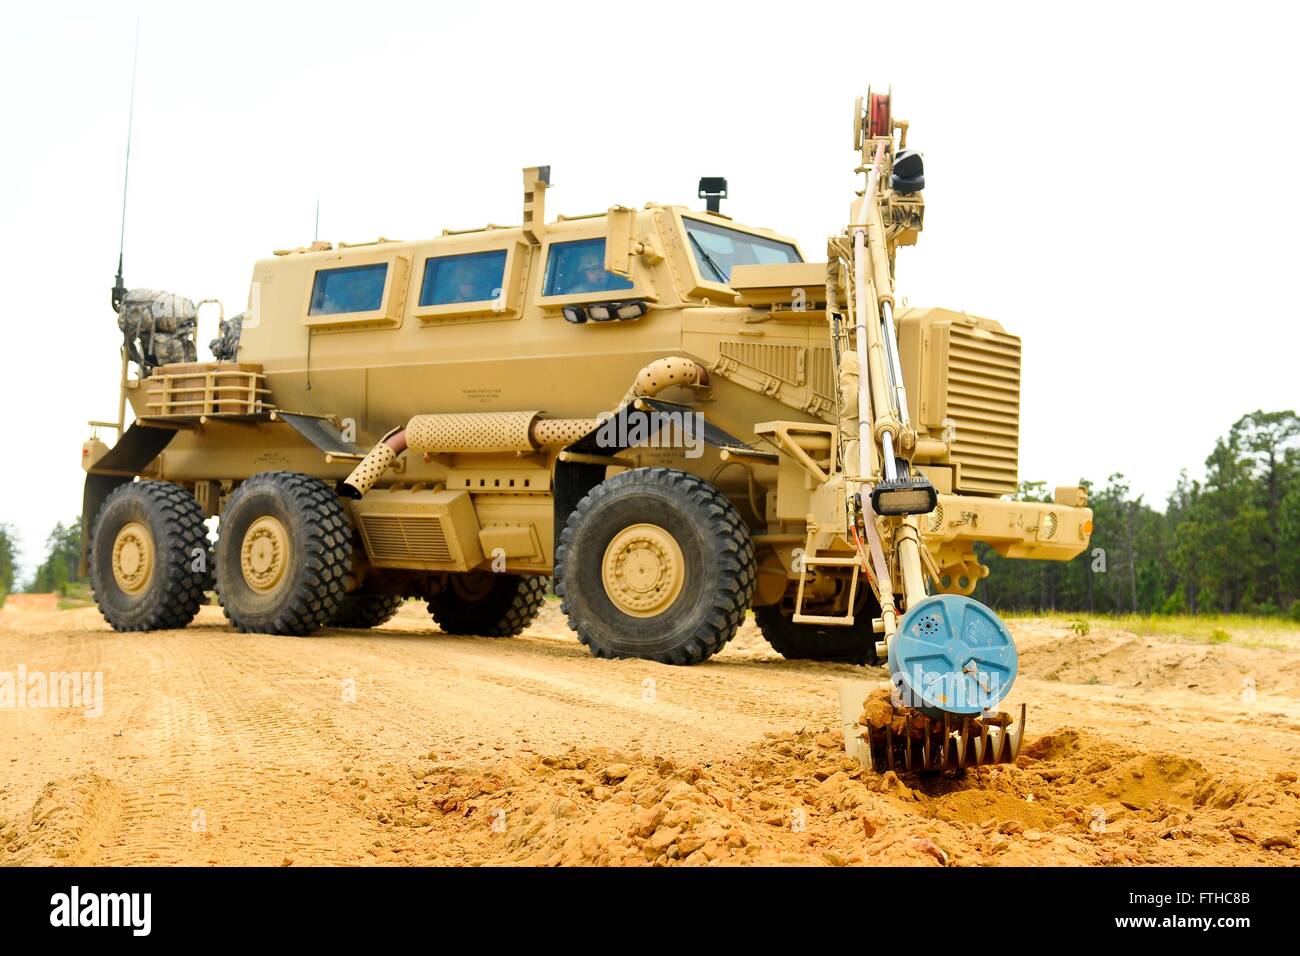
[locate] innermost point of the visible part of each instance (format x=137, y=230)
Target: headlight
x=904, y=496
x=630, y=310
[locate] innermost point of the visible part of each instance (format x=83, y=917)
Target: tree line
x=1227, y=544
x=55, y=572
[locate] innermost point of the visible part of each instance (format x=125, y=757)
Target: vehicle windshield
x=718, y=249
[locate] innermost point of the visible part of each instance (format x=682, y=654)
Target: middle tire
x=818, y=642
x=486, y=604
x=283, y=554
x=366, y=610
x=655, y=563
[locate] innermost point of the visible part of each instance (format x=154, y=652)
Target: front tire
x=148, y=557
x=655, y=563
x=283, y=554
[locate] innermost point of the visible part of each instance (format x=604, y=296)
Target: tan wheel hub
x=133, y=557
x=264, y=554
x=643, y=571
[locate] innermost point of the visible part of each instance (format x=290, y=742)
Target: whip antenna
x=119, y=287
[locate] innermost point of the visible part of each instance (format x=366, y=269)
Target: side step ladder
x=809, y=560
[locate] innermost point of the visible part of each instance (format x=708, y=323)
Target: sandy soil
x=404, y=745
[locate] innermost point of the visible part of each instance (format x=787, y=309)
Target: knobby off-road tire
x=365, y=610
x=485, y=604
x=283, y=554
x=149, y=557
x=818, y=642
x=655, y=563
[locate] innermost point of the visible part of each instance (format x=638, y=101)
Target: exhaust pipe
x=505, y=432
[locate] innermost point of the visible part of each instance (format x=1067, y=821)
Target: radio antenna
x=316, y=232
x=119, y=287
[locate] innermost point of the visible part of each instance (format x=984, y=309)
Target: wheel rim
x=264, y=554
x=643, y=570
x=133, y=557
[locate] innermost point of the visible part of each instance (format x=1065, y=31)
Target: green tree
x=63, y=555
x=1268, y=440
x=8, y=559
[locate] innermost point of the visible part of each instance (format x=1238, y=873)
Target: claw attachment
x=950, y=662
x=884, y=737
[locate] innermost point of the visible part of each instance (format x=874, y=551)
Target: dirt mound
x=66, y=822
x=1121, y=659
x=796, y=798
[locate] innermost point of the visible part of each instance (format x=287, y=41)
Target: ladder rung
x=831, y=562
x=822, y=619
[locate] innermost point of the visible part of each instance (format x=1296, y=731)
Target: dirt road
x=404, y=745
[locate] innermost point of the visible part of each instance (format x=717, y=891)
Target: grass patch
x=76, y=595
x=1242, y=630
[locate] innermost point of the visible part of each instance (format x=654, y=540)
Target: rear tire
x=655, y=563
x=283, y=554
x=485, y=604
x=144, y=545
x=818, y=642
x=366, y=610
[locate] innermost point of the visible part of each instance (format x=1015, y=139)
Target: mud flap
x=140, y=445
x=323, y=434
x=605, y=439
x=573, y=480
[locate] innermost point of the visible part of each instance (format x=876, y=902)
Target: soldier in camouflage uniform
x=157, y=328
x=226, y=345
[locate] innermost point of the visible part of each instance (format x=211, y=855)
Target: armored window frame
x=584, y=295
x=392, y=301
x=490, y=263
x=507, y=305
x=320, y=289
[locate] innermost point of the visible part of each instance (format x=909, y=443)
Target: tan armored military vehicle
x=677, y=416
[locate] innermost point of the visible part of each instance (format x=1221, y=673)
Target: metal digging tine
x=907, y=741
x=1020, y=735
x=963, y=742
x=947, y=741
x=982, y=751
x=889, y=745
x=999, y=738
x=925, y=743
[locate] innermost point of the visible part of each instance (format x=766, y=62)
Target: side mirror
x=619, y=241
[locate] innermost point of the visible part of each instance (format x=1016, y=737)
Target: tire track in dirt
x=258, y=734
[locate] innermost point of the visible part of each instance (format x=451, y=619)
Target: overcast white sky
x=1113, y=182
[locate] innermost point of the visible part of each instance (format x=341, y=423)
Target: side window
x=351, y=289
x=473, y=277
x=576, y=267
